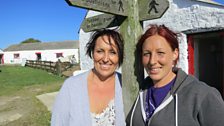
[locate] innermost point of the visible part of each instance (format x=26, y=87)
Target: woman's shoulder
x=207, y=93
x=77, y=79
x=200, y=88
x=118, y=74
x=199, y=85
x=82, y=74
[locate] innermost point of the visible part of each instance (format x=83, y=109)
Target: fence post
x=58, y=68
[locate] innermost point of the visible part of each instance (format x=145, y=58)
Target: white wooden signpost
x=118, y=7
x=101, y=21
x=151, y=9
x=128, y=14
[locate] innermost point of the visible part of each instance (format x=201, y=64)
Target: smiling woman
x=94, y=97
x=105, y=57
x=171, y=97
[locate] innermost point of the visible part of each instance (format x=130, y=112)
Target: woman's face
x=105, y=57
x=158, y=59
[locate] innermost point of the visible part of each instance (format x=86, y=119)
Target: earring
x=173, y=63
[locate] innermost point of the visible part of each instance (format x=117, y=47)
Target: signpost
x=118, y=7
x=129, y=14
x=101, y=21
x=151, y=9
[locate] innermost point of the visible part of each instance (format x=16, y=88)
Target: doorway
x=208, y=60
x=1, y=59
x=38, y=54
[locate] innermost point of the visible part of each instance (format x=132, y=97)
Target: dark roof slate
x=44, y=46
x=201, y=30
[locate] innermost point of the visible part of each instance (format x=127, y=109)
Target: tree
x=30, y=40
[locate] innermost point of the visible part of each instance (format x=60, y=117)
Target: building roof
x=44, y=46
x=1, y=51
x=202, y=30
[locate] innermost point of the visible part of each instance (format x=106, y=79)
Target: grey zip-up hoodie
x=189, y=103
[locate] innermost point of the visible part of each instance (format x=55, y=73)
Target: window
x=59, y=55
x=16, y=56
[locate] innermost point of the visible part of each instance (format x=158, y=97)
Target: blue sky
x=45, y=20
x=219, y=1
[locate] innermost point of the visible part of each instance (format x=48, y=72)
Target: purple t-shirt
x=155, y=97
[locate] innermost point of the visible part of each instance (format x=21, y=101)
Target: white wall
x=185, y=15
x=46, y=55
x=182, y=15
x=85, y=62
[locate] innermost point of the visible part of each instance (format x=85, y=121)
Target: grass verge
x=19, y=87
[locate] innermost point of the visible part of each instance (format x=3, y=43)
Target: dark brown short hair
x=119, y=42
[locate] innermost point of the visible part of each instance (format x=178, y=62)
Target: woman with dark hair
x=170, y=97
x=94, y=98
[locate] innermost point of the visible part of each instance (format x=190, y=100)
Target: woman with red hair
x=170, y=97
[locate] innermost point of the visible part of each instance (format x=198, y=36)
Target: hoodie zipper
x=161, y=106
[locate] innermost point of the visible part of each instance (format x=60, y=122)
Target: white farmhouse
x=50, y=51
x=201, y=43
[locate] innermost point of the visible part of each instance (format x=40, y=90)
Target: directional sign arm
x=101, y=21
x=118, y=7
x=152, y=9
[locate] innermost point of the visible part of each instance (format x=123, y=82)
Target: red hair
x=163, y=31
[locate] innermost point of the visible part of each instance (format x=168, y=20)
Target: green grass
x=13, y=78
x=26, y=83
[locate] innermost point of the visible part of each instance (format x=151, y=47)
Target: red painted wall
x=190, y=54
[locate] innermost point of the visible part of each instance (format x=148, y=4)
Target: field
x=19, y=87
